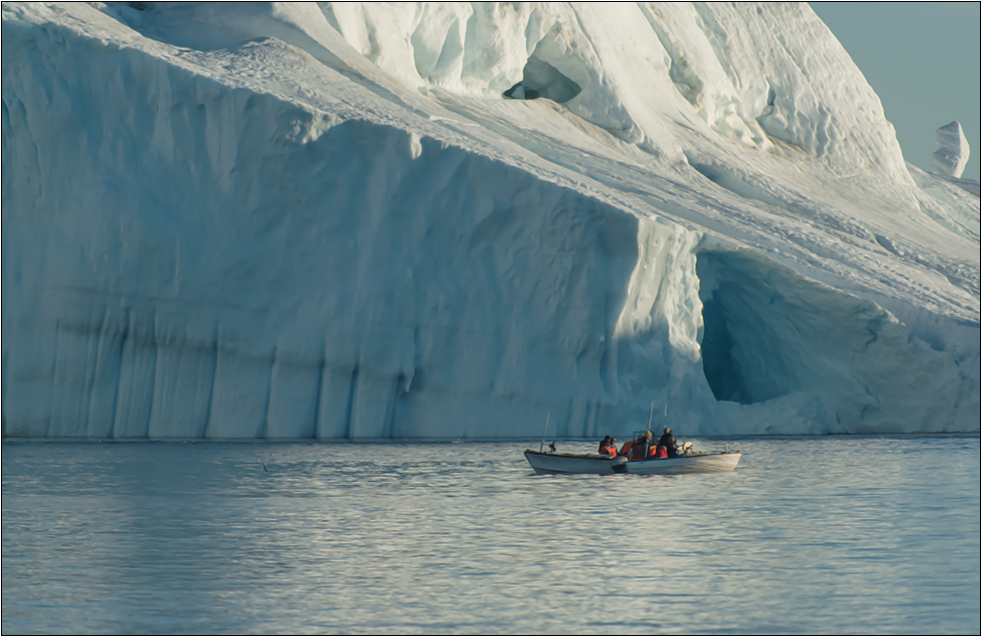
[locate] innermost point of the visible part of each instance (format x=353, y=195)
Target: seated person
x=638, y=450
x=627, y=448
x=607, y=447
x=657, y=451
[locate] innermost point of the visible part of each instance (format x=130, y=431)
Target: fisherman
x=667, y=440
x=607, y=447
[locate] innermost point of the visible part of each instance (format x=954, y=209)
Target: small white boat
x=592, y=463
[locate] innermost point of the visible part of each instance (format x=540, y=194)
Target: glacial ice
x=952, y=154
x=302, y=221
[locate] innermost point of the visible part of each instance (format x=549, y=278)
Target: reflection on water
x=809, y=535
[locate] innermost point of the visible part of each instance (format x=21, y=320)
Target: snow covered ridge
x=290, y=221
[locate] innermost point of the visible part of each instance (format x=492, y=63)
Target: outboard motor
x=619, y=464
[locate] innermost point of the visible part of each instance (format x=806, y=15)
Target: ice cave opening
x=755, y=337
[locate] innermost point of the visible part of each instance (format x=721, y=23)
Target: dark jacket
x=667, y=440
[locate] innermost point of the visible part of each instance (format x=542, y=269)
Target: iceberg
x=363, y=221
x=952, y=154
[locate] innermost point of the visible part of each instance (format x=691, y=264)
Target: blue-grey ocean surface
x=809, y=535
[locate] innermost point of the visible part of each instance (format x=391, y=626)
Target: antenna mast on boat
x=544, y=431
x=647, y=440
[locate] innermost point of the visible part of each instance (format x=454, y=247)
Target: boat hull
x=603, y=465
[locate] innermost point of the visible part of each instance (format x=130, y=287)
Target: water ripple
x=809, y=535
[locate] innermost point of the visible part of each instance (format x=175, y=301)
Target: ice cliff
x=443, y=220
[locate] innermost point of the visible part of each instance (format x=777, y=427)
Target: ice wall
x=263, y=222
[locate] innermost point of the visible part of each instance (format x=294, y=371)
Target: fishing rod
x=647, y=440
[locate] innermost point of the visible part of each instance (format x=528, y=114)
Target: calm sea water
x=809, y=535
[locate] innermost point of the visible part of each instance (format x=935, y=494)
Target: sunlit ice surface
x=229, y=221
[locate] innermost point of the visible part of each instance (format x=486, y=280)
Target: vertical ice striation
x=283, y=221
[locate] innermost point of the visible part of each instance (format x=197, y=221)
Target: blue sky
x=922, y=59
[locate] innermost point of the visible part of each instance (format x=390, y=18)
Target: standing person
x=667, y=440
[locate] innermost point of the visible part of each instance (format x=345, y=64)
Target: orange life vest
x=609, y=450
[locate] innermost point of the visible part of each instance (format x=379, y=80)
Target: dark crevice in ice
x=541, y=79
x=751, y=344
x=717, y=356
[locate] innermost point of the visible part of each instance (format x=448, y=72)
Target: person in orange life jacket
x=633, y=449
x=626, y=448
x=658, y=451
x=607, y=447
x=637, y=449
